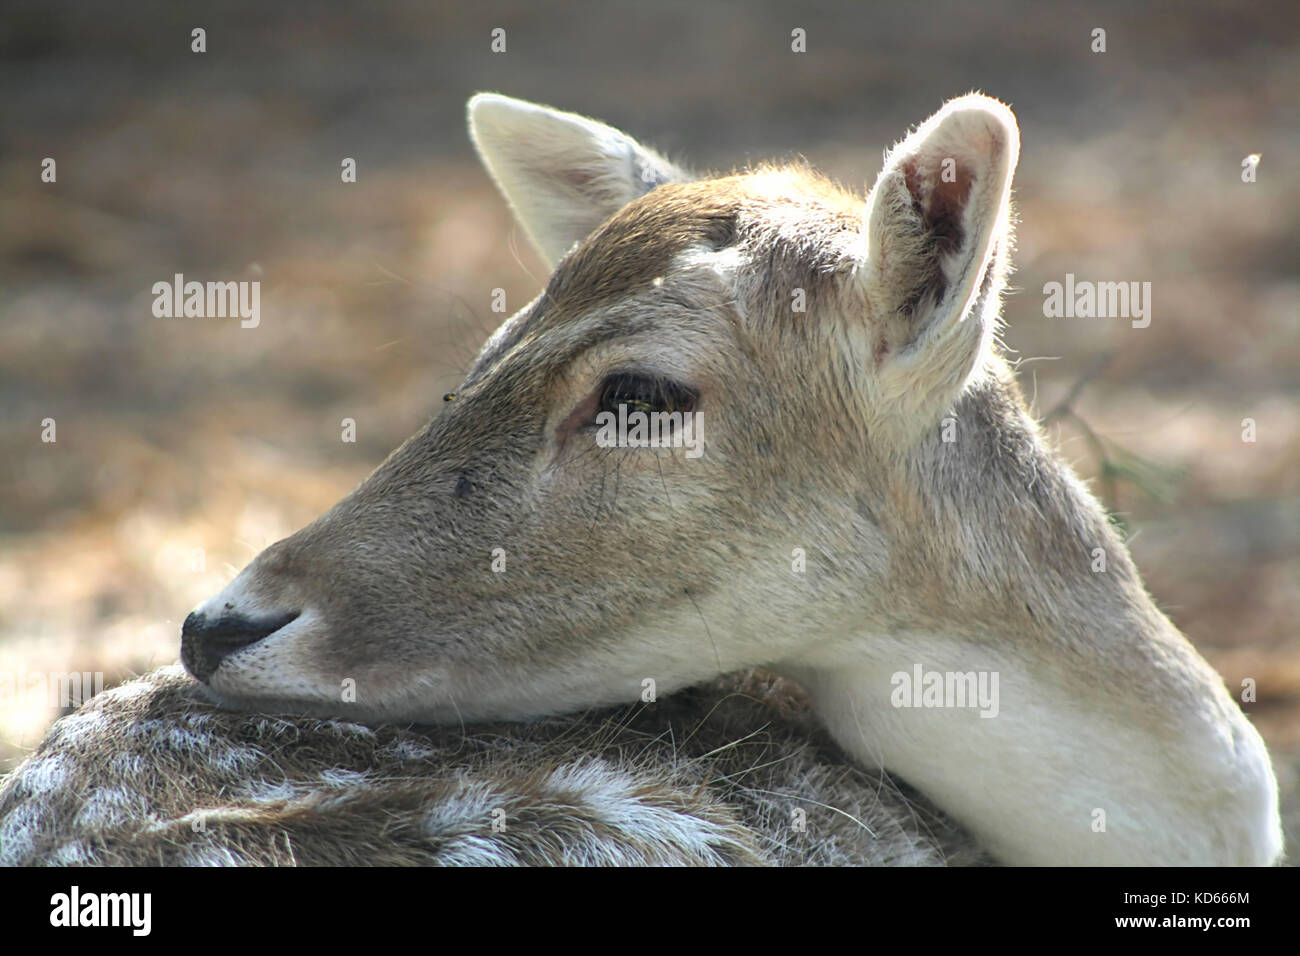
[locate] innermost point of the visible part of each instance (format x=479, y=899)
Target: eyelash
x=645, y=393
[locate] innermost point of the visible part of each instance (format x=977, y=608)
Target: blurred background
x=184, y=446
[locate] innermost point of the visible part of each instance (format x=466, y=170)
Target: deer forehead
x=791, y=211
x=783, y=228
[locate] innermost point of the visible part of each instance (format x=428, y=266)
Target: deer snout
x=207, y=640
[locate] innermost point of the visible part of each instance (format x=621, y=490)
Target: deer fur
x=501, y=565
x=732, y=774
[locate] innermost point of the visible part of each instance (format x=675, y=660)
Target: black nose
x=206, y=642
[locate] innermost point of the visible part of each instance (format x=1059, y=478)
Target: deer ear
x=938, y=231
x=562, y=174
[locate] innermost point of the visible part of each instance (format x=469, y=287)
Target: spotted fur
x=736, y=773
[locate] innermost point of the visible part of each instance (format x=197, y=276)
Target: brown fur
x=152, y=774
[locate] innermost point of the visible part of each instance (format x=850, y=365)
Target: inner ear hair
x=937, y=208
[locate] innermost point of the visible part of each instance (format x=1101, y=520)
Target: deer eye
x=645, y=393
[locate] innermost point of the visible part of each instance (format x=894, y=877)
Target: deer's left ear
x=563, y=174
x=938, y=230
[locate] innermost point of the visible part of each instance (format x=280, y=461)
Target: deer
x=872, y=500
x=732, y=773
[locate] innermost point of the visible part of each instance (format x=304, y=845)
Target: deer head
x=519, y=557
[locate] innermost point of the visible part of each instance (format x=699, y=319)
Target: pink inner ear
x=941, y=203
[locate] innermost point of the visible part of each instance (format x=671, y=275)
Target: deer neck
x=1033, y=690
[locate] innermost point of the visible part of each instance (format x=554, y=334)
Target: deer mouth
x=208, y=641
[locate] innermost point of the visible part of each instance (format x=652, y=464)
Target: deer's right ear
x=562, y=174
x=938, y=230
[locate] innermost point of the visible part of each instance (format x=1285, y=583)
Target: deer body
x=732, y=773
x=822, y=340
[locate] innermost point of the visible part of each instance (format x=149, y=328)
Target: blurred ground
x=177, y=435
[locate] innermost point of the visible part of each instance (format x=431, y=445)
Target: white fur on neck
x=1028, y=783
